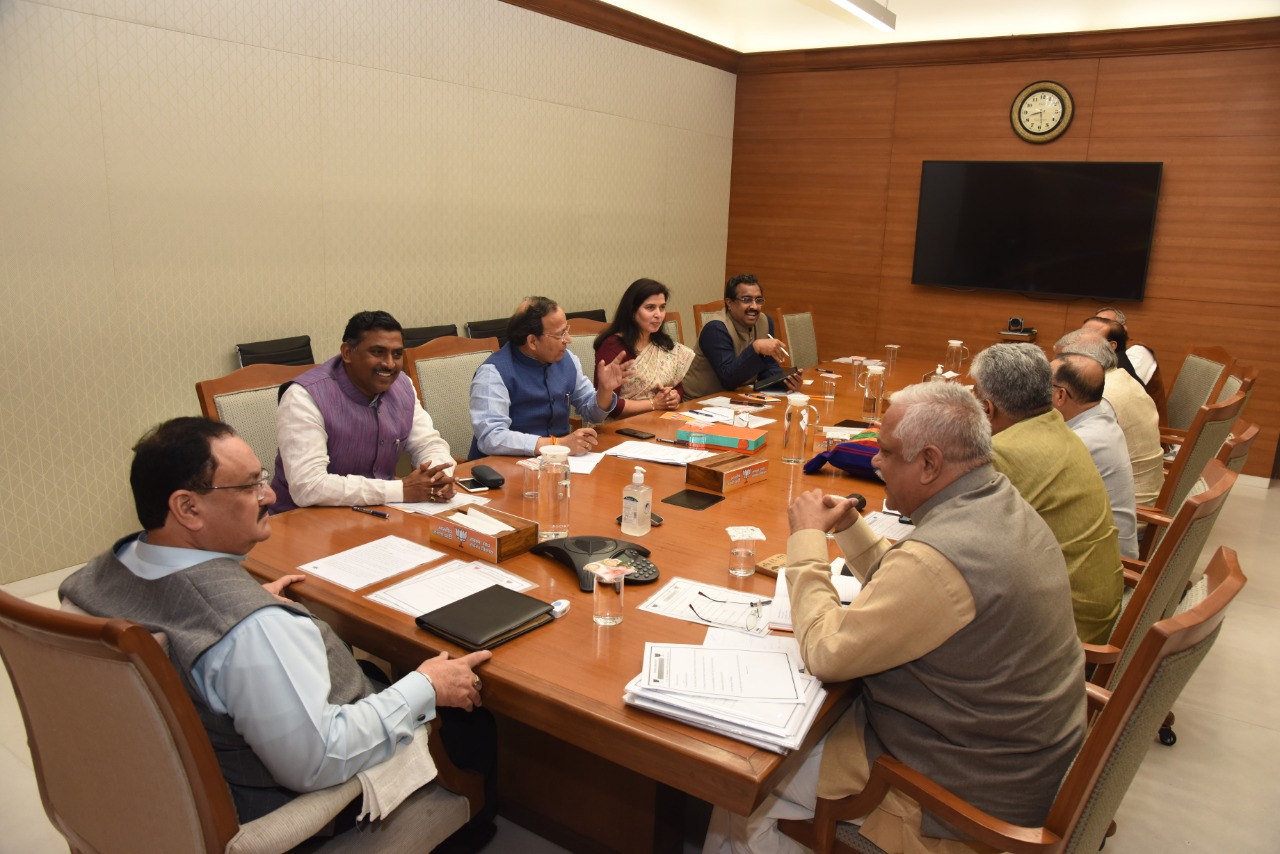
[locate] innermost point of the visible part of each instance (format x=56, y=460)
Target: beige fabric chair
x=584, y=331
x=1119, y=736
x=1235, y=451
x=794, y=325
x=124, y=764
x=703, y=310
x=441, y=371
x=1204, y=372
x=674, y=327
x=246, y=399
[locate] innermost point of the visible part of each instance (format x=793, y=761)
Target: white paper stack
x=753, y=695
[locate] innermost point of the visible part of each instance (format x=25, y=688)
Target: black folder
x=486, y=618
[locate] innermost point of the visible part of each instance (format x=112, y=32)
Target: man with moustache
x=342, y=425
x=736, y=345
x=287, y=707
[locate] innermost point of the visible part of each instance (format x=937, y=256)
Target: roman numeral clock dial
x=1041, y=112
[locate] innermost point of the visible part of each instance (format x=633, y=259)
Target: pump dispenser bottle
x=637, y=506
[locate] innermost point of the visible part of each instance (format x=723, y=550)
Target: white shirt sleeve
x=271, y=676
x=304, y=452
x=1144, y=362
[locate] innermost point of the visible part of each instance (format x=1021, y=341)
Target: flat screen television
x=1067, y=229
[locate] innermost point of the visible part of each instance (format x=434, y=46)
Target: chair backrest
x=795, y=326
x=1209, y=430
x=441, y=371
x=1203, y=373
x=246, y=399
x=596, y=314
x=1166, y=575
x=140, y=762
x=496, y=328
x=416, y=336
x=278, y=351
x=1124, y=729
x=703, y=310
x=674, y=327
x=1235, y=451
x=1241, y=378
x=584, y=331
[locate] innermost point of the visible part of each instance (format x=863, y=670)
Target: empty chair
x=139, y=774
x=246, y=399
x=794, y=325
x=673, y=327
x=702, y=312
x=496, y=328
x=596, y=314
x=1203, y=373
x=416, y=336
x=1235, y=451
x=441, y=371
x=278, y=351
x=1118, y=738
x=1210, y=429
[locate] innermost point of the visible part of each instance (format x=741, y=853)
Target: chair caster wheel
x=1168, y=737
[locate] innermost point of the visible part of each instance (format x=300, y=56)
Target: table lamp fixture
x=874, y=13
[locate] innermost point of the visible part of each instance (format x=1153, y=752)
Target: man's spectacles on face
x=564, y=335
x=259, y=486
x=750, y=300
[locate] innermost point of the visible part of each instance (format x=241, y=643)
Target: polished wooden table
x=577, y=764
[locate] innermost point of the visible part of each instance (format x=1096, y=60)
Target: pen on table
x=681, y=442
x=780, y=347
x=378, y=513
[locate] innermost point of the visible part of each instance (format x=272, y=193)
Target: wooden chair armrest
x=1154, y=517
x=1096, y=696
x=890, y=773
x=1131, y=577
x=469, y=784
x=1170, y=436
x=1095, y=653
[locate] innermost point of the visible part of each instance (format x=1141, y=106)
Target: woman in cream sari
x=660, y=363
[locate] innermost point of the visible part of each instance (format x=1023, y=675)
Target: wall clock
x=1041, y=112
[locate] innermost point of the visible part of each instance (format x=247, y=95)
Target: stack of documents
x=754, y=695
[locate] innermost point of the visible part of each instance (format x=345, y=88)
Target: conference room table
x=576, y=764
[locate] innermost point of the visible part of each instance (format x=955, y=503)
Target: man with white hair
x=964, y=643
x=1135, y=412
x=1050, y=466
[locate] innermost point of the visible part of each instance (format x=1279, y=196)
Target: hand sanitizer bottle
x=637, y=506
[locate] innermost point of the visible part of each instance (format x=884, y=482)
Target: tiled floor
x=1214, y=791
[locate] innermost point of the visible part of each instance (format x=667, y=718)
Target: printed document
x=371, y=562
x=447, y=583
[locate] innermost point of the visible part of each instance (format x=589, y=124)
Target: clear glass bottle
x=956, y=355
x=637, y=506
x=873, y=393
x=795, y=428
x=553, y=492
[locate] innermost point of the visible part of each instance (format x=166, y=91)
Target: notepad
x=486, y=618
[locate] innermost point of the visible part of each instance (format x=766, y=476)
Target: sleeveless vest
x=538, y=393
x=1005, y=695
x=701, y=378
x=195, y=608
x=365, y=437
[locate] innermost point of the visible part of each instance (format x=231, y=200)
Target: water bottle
x=553, y=492
x=956, y=354
x=795, y=428
x=873, y=393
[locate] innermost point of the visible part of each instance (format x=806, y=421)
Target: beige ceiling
x=752, y=26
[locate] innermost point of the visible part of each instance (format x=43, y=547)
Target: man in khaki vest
x=736, y=345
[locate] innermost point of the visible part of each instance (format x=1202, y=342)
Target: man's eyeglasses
x=259, y=486
x=749, y=619
x=750, y=300
x=563, y=336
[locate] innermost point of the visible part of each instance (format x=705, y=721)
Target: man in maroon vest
x=342, y=426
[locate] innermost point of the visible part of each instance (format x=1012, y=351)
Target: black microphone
x=859, y=502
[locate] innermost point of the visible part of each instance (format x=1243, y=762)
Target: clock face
x=1041, y=112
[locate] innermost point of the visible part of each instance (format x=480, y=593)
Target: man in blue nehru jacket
x=520, y=396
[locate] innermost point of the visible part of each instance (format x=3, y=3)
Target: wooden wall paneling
x=819, y=105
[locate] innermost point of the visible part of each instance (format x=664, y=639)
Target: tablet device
x=774, y=381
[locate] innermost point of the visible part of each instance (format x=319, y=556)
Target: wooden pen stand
x=725, y=473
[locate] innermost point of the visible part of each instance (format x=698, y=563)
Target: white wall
x=180, y=175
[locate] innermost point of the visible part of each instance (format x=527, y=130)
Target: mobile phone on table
x=656, y=519
x=634, y=433
x=470, y=484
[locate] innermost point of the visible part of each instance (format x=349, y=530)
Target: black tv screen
x=1054, y=228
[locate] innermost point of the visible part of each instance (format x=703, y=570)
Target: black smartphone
x=634, y=433
x=654, y=518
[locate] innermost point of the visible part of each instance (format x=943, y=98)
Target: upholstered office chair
x=584, y=331
x=596, y=314
x=1210, y=429
x=441, y=371
x=496, y=328
x=416, y=336
x=1203, y=373
x=246, y=399
x=702, y=311
x=1117, y=740
x=794, y=325
x=674, y=327
x=1235, y=451
x=124, y=764
x=278, y=351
